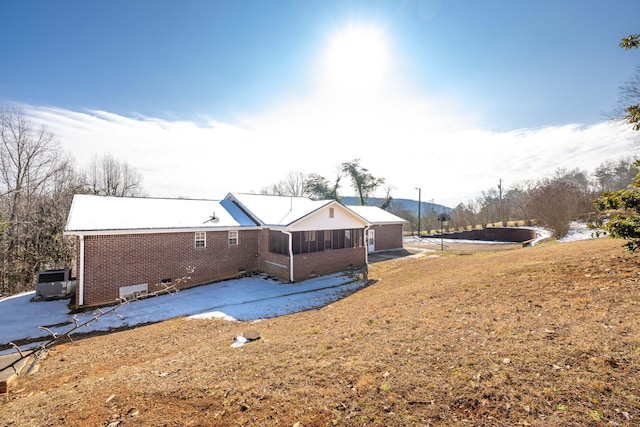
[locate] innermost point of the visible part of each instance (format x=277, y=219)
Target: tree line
x=315, y=186
x=552, y=202
x=37, y=183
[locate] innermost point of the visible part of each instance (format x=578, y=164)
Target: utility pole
x=419, y=206
x=500, y=207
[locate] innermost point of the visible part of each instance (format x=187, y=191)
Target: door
x=371, y=240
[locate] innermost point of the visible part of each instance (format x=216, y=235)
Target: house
x=128, y=246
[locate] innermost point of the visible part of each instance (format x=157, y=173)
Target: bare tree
x=554, y=205
x=517, y=199
x=292, y=185
x=490, y=206
x=615, y=175
x=463, y=216
x=31, y=163
x=108, y=176
x=564, y=197
x=388, y=198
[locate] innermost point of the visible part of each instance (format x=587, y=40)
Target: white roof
x=376, y=215
x=90, y=213
x=277, y=210
x=93, y=214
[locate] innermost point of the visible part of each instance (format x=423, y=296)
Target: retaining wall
x=497, y=234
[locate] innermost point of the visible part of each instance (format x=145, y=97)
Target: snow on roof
x=99, y=213
x=277, y=210
x=376, y=215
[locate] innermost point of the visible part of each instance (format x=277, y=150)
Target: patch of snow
x=239, y=341
x=245, y=299
x=212, y=315
x=581, y=231
x=541, y=234
x=577, y=231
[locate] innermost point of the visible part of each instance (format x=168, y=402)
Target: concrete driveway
x=387, y=255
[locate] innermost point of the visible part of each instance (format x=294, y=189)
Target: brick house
x=136, y=245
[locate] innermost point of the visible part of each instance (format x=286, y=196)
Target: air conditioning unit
x=54, y=284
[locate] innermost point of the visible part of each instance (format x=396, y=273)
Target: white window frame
x=233, y=237
x=200, y=239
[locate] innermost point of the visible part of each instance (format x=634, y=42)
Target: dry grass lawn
x=540, y=336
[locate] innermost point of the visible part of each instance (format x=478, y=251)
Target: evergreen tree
x=623, y=206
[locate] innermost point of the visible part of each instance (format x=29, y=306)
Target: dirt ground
x=539, y=336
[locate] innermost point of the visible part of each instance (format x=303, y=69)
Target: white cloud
x=177, y=159
x=410, y=141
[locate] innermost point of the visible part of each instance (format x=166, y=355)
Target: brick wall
x=388, y=236
x=113, y=261
x=327, y=262
x=500, y=234
x=276, y=265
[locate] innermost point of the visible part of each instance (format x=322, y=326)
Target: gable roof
x=376, y=215
x=90, y=213
x=276, y=210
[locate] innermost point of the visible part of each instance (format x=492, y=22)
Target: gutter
x=110, y=232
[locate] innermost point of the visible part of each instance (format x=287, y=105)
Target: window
x=278, y=242
x=233, y=238
x=331, y=213
x=200, y=239
x=325, y=240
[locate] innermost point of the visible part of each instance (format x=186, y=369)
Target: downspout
x=366, y=245
x=81, y=273
x=288, y=233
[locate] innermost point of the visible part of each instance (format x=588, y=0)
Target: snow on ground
x=245, y=299
x=577, y=231
x=249, y=298
x=580, y=231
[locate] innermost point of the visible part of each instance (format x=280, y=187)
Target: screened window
x=233, y=238
x=303, y=242
x=309, y=242
x=200, y=239
x=278, y=242
x=325, y=240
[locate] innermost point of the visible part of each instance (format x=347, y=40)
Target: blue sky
x=425, y=82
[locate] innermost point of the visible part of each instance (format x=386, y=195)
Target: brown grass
x=541, y=336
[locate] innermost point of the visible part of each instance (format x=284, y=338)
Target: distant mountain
x=400, y=204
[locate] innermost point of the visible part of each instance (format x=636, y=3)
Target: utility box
x=54, y=284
